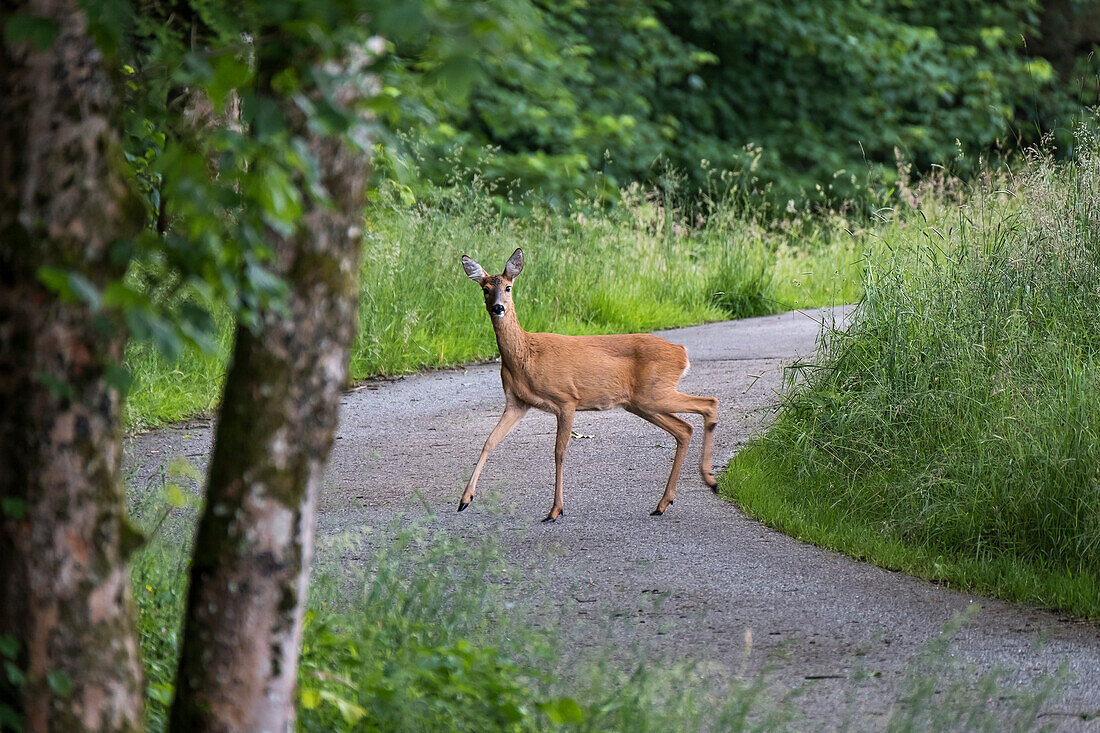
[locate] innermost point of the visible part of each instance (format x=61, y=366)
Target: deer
x=562, y=374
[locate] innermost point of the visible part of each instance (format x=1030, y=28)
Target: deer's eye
x=508, y=289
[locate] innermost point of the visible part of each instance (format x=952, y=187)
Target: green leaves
x=13, y=508
x=562, y=711
x=820, y=88
x=71, y=286
x=277, y=195
x=59, y=682
x=349, y=711
x=11, y=679
x=263, y=115
x=229, y=73
x=221, y=101
x=147, y=325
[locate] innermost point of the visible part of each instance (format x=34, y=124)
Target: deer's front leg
x=513, y=411
x=565, y=429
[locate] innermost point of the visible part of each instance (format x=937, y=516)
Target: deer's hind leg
x=708, y=408
x=705, y=406
x=513, y=411
x=680, y=430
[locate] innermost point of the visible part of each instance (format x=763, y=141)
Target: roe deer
x=562, y=374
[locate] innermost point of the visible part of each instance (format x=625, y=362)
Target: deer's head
x=497, y=288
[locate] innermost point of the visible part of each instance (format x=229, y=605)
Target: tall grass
x=646, y=264
x=954, y=429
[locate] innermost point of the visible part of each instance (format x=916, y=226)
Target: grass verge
x=768, y=492
x=954, y=430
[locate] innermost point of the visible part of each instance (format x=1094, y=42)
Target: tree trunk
x=250, y=571
x=64, y=590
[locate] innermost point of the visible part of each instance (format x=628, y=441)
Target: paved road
x=815, y=618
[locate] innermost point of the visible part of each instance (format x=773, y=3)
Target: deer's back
x=594, y=372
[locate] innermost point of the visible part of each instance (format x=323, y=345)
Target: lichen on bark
x=242, y=630
x=64, y=592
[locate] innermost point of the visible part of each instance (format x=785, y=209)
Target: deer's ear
x=472, y=268
x=515, y=265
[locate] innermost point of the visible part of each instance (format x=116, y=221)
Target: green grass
x=954, y=431
x=166, y=390
x=634, y=268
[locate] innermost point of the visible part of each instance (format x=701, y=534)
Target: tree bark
x=64, y=589
x=250, y=570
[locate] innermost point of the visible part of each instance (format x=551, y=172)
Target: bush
x=800, y=100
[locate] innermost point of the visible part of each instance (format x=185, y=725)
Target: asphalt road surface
x=702, y=582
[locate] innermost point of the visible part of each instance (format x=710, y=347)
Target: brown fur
x=562, y=374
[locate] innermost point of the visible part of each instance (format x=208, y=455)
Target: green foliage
x=11, y=679
x=805, y=100
x=169, y=389
x=217, y=103
x=563, y=97
x=956, y=425
x=40, y=32
x=802, y=101
x=431, y=644
x=165, y=511
x=557, y=109
x=829, y=89
x=419, y=638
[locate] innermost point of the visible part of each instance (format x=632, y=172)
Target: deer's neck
x=511, y=340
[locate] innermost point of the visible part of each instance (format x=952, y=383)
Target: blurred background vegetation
x=810, y=100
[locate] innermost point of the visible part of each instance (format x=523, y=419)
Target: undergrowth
x=953, y=430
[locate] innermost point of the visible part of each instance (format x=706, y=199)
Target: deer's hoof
x=659, y=511
x=548, y=518
x=463, y=504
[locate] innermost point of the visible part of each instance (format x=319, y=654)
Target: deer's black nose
x=496, y=309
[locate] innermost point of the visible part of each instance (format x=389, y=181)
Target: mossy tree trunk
x=250, y=570
x=64, y=590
